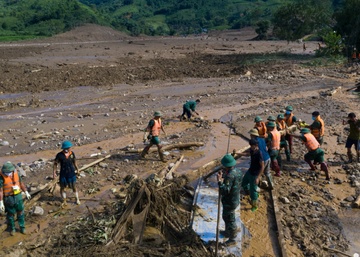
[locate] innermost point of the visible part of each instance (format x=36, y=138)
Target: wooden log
x=168, y=147
x=333, y=92
x=169, y=175
x=336, y=251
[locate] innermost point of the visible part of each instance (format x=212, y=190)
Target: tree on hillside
x=297, y=19
x=348, y=23
x=262, y=28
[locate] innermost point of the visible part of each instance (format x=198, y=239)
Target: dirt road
x=99, y=88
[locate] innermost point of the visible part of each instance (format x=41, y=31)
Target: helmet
x=271, y=124
x=157, y=114
x=258, y=119
x=271, y=118
x=254, y=132
x=7, y=168
x=281, y=116
x=305, y=130
x=289, y=108
x=66, y=145
x=228, y=161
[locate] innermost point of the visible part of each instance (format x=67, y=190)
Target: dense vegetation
x=288, y=19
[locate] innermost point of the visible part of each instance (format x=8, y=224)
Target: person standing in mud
x=188, y=108
x=260, y=126
x=353, y=137
x=11, y=200
x=152, y=133
x=290, y=119
x=282, y=128
x=273, y=144
x=68, y=169
x=315, y=153
x=229, y=181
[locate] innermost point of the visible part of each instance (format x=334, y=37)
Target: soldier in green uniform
x=229, y=181
x=188, y=108
x=11, y=201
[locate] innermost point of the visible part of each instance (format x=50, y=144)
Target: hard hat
x=66, y=145
x=305, y=130
x=254, y=132
x=258, y=119
x=157, y=114
x=271, y=124
x=289, y=108
x=271, y=118
x=7, y=168
x=281, y=116
x=228, y=161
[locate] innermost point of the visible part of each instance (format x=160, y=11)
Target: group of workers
x=267, y=139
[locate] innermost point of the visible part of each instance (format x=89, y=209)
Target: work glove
x=2, y=207
x=28, y=196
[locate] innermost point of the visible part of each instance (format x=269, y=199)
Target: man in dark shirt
x=354, y=136
x=252, y=176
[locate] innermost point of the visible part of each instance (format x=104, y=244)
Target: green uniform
x=230, y=198
x=354, y=130
x=14, y=204
x=317, y=125
x=317, y=155
x=153, y=140
x=190, y=105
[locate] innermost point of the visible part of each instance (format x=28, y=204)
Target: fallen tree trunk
x=169, y=175
x=168, y=147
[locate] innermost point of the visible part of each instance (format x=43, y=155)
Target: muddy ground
x=99, y=88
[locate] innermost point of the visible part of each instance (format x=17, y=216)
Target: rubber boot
x=161, y=154
x=312, y=167
x=11, y=223
x=254, y=205
x=350, y=157
x=144, y=152
x=21, y=221
x=270, y=181
x=288, y=157
x=325, y=168
x=276, y=168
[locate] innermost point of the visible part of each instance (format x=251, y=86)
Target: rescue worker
x=68, y=169
x=229, y=181
x=152, y=133
x=315, y=153
x=290, y=119
x=11, y=200
x=270, y=118
x=353, y=137
x=317, y=128
x=260, y=126
x=273, y=144
x=254, y=134
x=282, y=128
x=188, y=108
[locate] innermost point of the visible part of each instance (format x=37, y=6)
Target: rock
x=4, y=143
x=283, y=199
x=103, y=165
x=38, y=211
x=349, y=199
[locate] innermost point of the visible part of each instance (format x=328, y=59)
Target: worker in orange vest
x=152, y=133
x=281, y=126
x=273, y=144
x=317, y=127
x=290, y=119
x=260, y=126
x=315, y=153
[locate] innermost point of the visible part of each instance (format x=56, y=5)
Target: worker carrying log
x=152, y=133
x=188, y=108
x=11, y=200
x=260, y=126
x=315, y=153
x=273, y=144
x=229, y=181
x=290, y=120
x=68, y=169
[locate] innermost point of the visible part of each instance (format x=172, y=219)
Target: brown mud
x=99, y=88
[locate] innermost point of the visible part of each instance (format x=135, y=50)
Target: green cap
x=271, y=118
x=271, y=124
x=157, y=114
x=7, y=168
x=228, y=161
x=281, y=116
x=305, y=131
x=289, y=108
x=254, y=132
x=258, y=119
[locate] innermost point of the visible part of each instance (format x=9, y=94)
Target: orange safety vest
x=155, y=130
x=261, y=129
x=311, y=142
x=318, y=132
x=9, y=182
x=288, y=119
x=275, y=139
x=282, y=124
